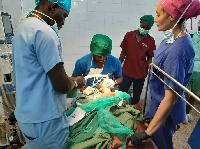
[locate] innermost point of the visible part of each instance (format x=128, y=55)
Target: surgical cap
x=101, y=45
x=148, y=19
x=64, y=4
x=176, y=8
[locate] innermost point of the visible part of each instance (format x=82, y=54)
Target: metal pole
x=145, y=98
x=176, y=82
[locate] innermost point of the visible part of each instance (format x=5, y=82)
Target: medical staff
x=176, y=57
x=40, y=78
x=137, y=52
x=99, y=61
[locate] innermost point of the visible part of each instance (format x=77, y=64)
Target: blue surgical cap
x=64, y=4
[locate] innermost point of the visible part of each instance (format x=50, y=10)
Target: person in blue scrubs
x=175, y=56
x=99, y=61
x=40, y=77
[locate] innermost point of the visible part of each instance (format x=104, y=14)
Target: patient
x=116, y=143
x=108, y=124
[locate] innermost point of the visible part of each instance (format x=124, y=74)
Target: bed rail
x=176, y=82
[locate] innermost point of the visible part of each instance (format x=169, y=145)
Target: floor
x=183, y=133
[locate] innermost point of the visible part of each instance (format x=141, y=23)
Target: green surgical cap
x=101, y=45
x=148, y=19
x=64, y=4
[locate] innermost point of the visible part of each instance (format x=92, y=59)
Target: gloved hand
x=108, y=83
x=137, y=138
x=88, y=91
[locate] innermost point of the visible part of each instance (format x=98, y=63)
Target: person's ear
x=54, y=6
x=172, y=18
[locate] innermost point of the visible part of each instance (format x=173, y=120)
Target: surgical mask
x=143, y=31
x=169, y=34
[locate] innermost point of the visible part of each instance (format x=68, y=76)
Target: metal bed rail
x=176, y=82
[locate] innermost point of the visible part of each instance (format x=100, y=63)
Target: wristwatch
x=76, y=84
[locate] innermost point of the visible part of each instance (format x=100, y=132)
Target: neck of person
x=41, y=15
x=179, y=32
x=139, y=36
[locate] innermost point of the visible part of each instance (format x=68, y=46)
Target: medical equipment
x=96, y=76
x=6, y=34
x=193, y=140
x=9, y=130
x=6, y=70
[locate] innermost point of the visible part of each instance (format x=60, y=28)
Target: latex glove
x=137, y=138
x=88, y=91
x=108, y=83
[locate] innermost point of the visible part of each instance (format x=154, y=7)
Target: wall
x=89, y=17
x=1, y=5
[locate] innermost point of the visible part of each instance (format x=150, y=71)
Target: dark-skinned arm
x=149, y=61
x=118, y=80
x=60, y=80
x=122, y=56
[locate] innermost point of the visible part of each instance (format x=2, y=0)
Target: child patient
x=106, y=91
x=116, y=143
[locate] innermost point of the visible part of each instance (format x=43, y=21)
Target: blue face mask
x=143, y=31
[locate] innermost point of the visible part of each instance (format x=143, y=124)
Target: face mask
x=143, y=31
x=94, y=71
x=169, y=36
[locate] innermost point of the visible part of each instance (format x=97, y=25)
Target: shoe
x=177, y=128
x=189, y=118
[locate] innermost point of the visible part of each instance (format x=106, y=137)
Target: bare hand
x=80, y=81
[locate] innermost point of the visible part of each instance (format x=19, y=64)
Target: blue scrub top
x=177, y=60
x=36, y=50
x=83, y=65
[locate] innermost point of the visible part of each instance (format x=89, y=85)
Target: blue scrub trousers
x=51, y=134
x=137, y=87
x=163, y=137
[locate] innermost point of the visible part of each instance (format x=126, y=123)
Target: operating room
x=87, y=18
